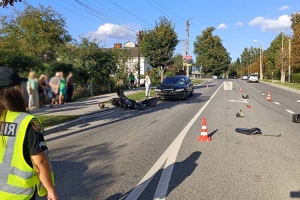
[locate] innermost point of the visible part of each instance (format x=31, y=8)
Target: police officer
x=25, y=169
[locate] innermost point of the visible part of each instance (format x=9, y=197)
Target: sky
x=239, y=23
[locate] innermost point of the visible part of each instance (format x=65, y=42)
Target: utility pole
x=182, y=51
x=281, y=57
x=289, y=59
x=188, y=43
x=139, y=39
x=260, y=64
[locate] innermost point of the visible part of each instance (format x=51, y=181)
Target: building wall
x=132, y=63
x=129, y=45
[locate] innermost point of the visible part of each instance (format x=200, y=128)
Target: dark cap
x=10, y=78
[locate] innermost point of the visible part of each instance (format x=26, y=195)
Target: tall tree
x=295, y=46
x=94, y=64
x=210, y=52
x=278, y=59
x=158, y=44
x=36, y=32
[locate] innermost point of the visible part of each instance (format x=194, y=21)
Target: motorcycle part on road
x=296, y=118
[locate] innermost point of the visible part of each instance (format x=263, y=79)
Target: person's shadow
x=180, y=172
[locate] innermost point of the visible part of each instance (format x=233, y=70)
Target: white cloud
x=284, y=7
x=239, y=24
x=222, y=26
x=282, y=23
x=112, y=31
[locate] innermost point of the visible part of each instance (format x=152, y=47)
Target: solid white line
x=289, y=111
x=262, y=94
x=170, y=154
x=277, y=103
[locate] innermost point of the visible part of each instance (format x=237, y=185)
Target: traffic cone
x=269, y=96
x=206, y=86
x=241, y=90
x=248, y=106
x=204, y=136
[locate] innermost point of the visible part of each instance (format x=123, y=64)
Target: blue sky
x=238, y=22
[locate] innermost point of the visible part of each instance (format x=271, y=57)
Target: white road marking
x=298, y=101
x=277, y=103
x=258, y=91
x=240, y=101
x=262, y=94
x=289, y=111
x=170, y=154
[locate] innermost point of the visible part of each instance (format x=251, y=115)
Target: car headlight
x=179, y=90
x=157, y=90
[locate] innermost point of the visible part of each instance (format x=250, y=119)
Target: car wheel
x=192, y=92
x=185, y=96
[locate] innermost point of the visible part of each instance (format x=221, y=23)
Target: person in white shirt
x=147, y=85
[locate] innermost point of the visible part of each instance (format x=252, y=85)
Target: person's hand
x=52, y=196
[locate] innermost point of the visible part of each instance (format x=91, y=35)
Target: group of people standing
x=57, y=90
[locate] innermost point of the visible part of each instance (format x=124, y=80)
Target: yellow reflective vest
x=17, y=179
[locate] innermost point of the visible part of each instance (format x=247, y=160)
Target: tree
x=210, y=52
x=34, y=32
x=95, y=65
x=295, y=43
x=5, y=3
x=275, y=56
x=158, y=44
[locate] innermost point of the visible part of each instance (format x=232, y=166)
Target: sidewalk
x=82, y=107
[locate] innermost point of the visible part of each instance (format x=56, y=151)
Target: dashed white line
x=262, y=94
x=289, y=111
x=277, y=103
x=258, y=91
x=255, y=89
x=298, y=101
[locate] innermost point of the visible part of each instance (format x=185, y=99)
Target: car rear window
x=177, y=81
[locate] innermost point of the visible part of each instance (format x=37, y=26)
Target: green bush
x=296, y=78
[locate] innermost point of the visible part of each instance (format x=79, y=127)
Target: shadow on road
x=181, y=171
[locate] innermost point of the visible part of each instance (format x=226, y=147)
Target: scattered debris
x=240, y=114
x=253, y=131
x=101, y=105
x=296, y=118
x=245, y=97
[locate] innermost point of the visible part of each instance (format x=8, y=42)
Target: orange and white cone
x=269, y=96
x=204, y=136
x=241, y=90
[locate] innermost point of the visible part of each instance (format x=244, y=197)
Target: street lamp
x=260, y=60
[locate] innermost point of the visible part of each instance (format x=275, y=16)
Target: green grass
x=140, y=95
x=290, y=85
x=48, y=121
x=286, y=84
x=197, y=81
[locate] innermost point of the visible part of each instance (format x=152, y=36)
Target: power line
x=169, y=10
x=114, y=3
x=103, y=15
x=88, y=17
x=95, y=11
x=113, y=11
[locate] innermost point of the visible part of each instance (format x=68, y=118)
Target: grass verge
x=140, y=95
x=50, y=120
x=197, y=81
x=286, y=84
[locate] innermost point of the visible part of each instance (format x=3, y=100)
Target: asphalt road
x=155, y=154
